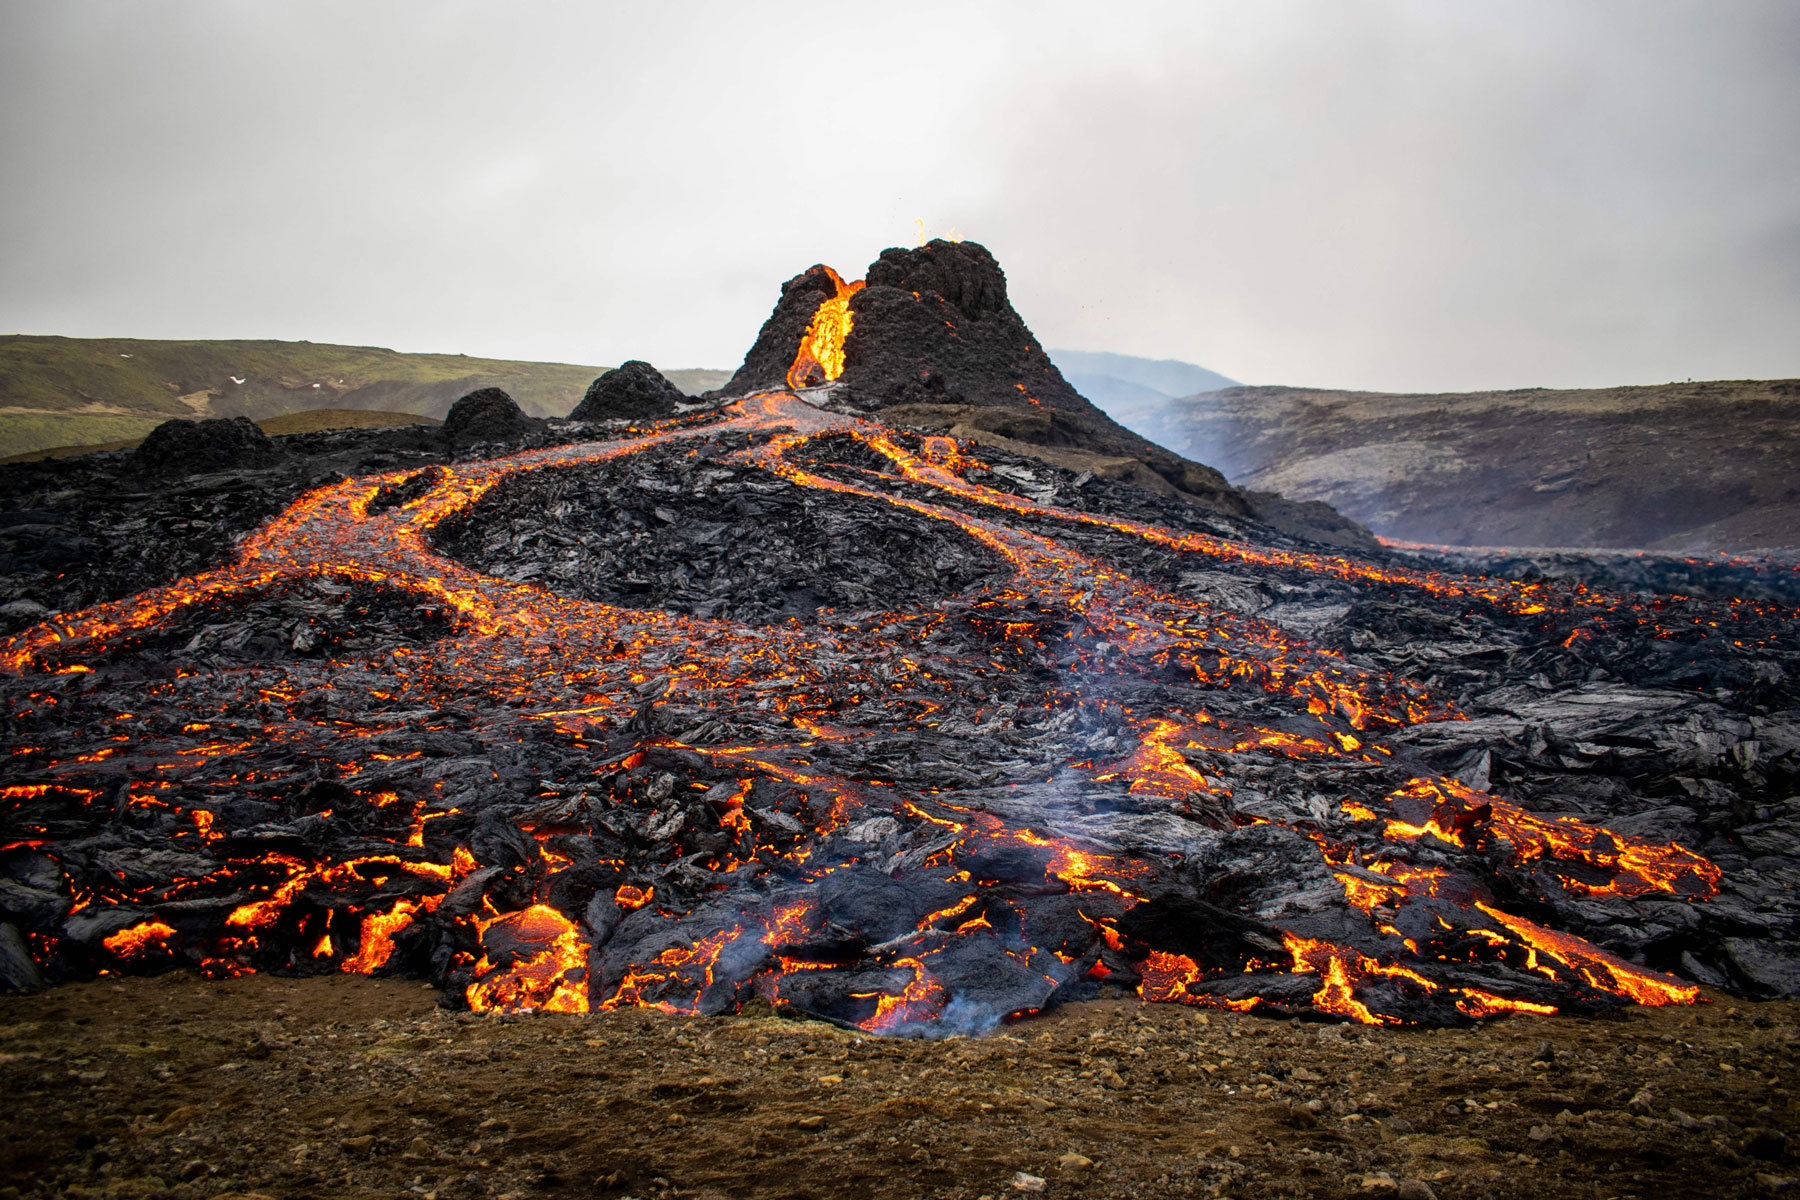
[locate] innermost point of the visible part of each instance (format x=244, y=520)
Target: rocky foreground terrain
x=348, y=1087
x=1684, y=467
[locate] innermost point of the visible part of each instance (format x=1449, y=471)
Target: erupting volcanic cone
x=930, y=339
x=928, y=325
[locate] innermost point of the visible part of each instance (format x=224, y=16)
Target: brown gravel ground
x=355, y=1087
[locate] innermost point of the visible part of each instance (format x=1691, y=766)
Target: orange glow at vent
x=821, y=356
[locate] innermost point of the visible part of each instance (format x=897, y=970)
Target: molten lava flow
x=1167, y=976
x=695, y=866
x=914, y=1002
x=820, y=358
x=146, y=937
x=548, y=972
x=678, y=971
x=1157, y=765
x=1586, y=860
x=1603, y=971
x=378, y=930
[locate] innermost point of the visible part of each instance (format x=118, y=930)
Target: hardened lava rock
x=633, y=391
x=79, y=531
x=183, y=447
x=532, y=722
x=1122, y=764
x=709, y=539
x=486, y=415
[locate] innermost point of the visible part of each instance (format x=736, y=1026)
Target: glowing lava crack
x=754, y=817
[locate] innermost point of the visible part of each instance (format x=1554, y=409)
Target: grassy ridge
x=23, y=433
x=311, y=421
x=57, y=391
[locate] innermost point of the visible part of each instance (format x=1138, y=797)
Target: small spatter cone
x=183, y=447
x=633, y=391
x=485, y=415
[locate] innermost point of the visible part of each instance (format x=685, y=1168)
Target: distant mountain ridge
x=58, y=391
x=1170, y=376
x=1680, y=467
x=1699, y=466
x=1135, y=391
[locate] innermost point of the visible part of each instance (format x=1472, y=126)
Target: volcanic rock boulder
x=485, y=415
x=183, y=447
x=18, y=973
x=633, y=391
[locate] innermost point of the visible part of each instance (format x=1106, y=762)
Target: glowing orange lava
x=571, y=665
x=821, y=355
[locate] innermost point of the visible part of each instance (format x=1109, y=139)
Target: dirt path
x=347, y=1086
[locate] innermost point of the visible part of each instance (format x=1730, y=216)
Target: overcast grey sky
x=1426, y=195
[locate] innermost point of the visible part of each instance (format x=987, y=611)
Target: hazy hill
x=1680, y=466
x=310, y=420
x=57, y=391
x=1134, y=391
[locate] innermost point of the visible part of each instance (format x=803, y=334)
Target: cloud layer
x=1388, y=195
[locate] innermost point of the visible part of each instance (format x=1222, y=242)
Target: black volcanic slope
x=766, y=366
x=780, y=702
x=934, y=342
x=934, y=326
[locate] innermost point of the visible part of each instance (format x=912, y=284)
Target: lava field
x=772, y=702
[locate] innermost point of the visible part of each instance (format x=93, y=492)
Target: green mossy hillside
x=57, y=391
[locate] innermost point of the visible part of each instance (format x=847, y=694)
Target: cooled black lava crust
x=693, y=535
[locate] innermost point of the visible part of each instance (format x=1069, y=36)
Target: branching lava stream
x=752, y=823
